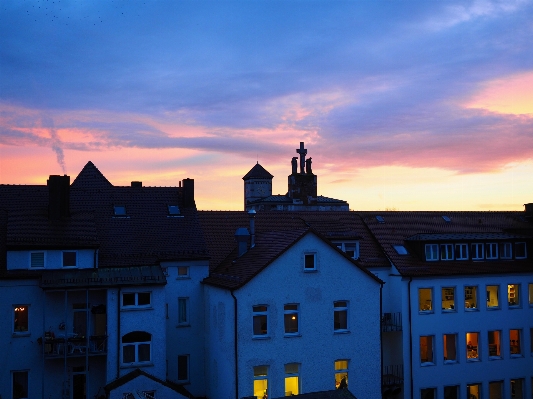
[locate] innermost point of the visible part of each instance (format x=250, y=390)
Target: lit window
x=119, y=210
x=136, y=348
x=517, y=388
x=136, y=300
x=340, y=316
x=496, y=390
x=472, y=340
x=310, y=262
x=530, y=292
x=446, y=251
x=425, y=299
x=183, y=271
x=448, y=298
x=494, y=344
x=477, y=251
x=20, y=320
x=173, y=210
x=473, y=391
x=426, y=350
x=450, y=348
x=292, y=379
x=461, y=251
x=513, y=294
x=520, y=250
x=515, y=341
x=470, y=297
x=260, y=320
x=492, y=296
x=37, y=259
x=451, y=392
x=261, y=382
x=20, y=384
x=183, y=368
x=432, y=252
x=506, y=250
x=350, y=248
x=341, y=374
x=400, y=250
x=69, y=259
x=291, y=313
x=491, y=250
x=183, y=311
x=428, y=393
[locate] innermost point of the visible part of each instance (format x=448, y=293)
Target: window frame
x=448, y=250
x=530, y=294
x=513, y=296
x=136, y=305
x=293, y=374
x=259, y=314
x=338, y=309
x=474, y=289
x=498, y=305
x=445, y=338
x=27, y=376
x=433, y=251
x=430, y=348
x=342, y=246
x=136, y=345
x=473, y=354
x=431, y=390
x=340, y=370
x=521, y=243
x=477, y=250
x=519, y=347
x=63, y=259
x=445, y=296
x=183, y=321
x=17, y=308
x=420, y=305
x=31, y=262
x=506, y=250
x=187, y=359
x=260, y=377
x=183, y=276
x=497, y=340
x=491, y=250
x=307, y=255
x=291, y=313
x=461, y=251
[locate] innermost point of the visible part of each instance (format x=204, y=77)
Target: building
x=301, y=193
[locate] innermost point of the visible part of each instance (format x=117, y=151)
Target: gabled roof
x=90, y=178
x=257, y=172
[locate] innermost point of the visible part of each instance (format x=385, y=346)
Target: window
x=425, y=299
x=513, y=294
x=136, y=347
x=183, y=368
x=451, y=392
x=36, y=259
x=520, y=250
x=350, y=248
x=446, y=251
x=260, y=320
x=461, y=251
x=291, y=313
x=20, y=319
x=173, y=210
x=340, y=316
x=470, y=297
x=492, y=296
x=292, y=379
x=517, y=388
x=477, y=251
x=432, y=252
x=400, y=250
x=506, y=250
x=515, y=341
x=261, y=382
x=69, y=259
x=530, y=292
x=472, y=341
x=183, y=311
x=448, y=298
x=426, y=350
x=341, y=374
x=20, y=384
x=183, y=271
x=131, y=300
x=119, y=210
x=450, y=348
x=310, y=262
x=491, y=250
x=531, y=340
x=473, y=391
x=494, y=344
x=428, y=393
x=496, y=390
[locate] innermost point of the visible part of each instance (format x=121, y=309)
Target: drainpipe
x=95, y=264
x=410, y=334
x=381, y=332
x=235, y=343
x=118, y=332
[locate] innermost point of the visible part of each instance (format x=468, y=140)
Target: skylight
x=120, y=210
x=446, y=219
x=380, y=219
x=173, y=210
x=401, y=250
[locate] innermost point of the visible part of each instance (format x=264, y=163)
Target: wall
x=53, y=259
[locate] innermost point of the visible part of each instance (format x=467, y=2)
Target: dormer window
x=446, y=251
x=477, y=251
x=506, y=250
x=432, y=252
x=491, y=250
x=401, y=250
x=173, y=210
x=349, y=248
x=520, y=250
x=119, y=210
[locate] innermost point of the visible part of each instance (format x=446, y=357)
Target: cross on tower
x=303, y=152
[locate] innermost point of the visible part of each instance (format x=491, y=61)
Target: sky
x=404, y=104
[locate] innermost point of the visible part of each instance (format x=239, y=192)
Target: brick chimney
x=188, y=193
x=58, y=197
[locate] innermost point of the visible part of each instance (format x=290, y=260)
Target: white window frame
x=306, y=255
x=516, y=250
x=15, y=309
x=339, y=307
x=477, y=249
x=136, y=346
x=188, y=364
x=491, y=250
x=185, y=272
x=136, y=296
x=506, y=250
x=259, y=313
x=44, y=260
x=432, y=252
x=291, y=313
x=446, y=252
x=461, y=251
x=342, y=246
x=293, y=374
x=63, y=259
x=183, y=319
x=27, y=382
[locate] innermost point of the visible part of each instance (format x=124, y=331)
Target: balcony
x=73, y=346
x=392, y=377
x=391, y=322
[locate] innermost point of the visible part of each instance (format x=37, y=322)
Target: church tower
x=257, y=184
x=303, y=182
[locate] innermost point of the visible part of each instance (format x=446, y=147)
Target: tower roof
x=257, y=172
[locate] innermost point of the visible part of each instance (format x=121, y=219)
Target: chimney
x=188, y=193
x=58, y=197
x=137, y=184
x=251, y=213
x=528, y=210
x=241, y=236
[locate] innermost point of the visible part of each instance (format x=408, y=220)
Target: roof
x=285, y=199
x=399, y=228
x=257, y=172
x=138, y=372
x=333, y=394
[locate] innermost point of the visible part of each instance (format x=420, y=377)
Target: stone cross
x=303, y=152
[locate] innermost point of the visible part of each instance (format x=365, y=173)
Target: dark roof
x=257, y=172
x=138, y=372
x=404, y=228
x=333, y=394
x=285, y=199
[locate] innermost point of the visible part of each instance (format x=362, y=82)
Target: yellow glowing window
x=425, y=302
x=341, y=374
x=292, y=379
x=261, y=382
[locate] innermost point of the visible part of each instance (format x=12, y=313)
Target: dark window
x=37, y=259
x=69, y=259
x=183, y=367
x=20, y=384
x=310, y=262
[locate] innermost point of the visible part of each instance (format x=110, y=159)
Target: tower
x=257, y=184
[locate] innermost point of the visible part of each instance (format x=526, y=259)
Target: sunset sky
x=411, y=105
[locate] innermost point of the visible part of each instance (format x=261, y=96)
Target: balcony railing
x=391, y=322
x=392, y=380
x=55, y=347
